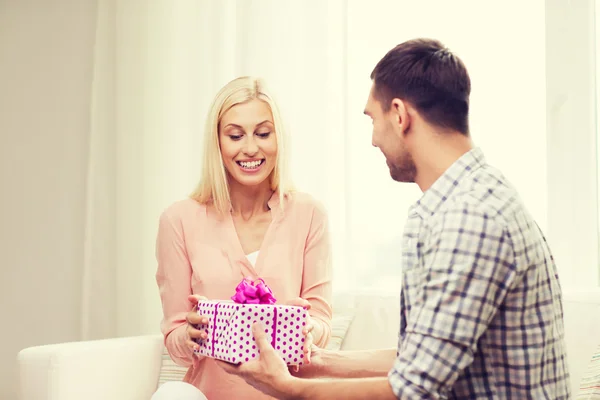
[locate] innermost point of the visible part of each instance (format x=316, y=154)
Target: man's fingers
x=260, y=336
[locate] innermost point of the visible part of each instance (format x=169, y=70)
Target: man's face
x=388, y=136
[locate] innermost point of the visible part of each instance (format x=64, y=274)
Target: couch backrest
x=376, y=320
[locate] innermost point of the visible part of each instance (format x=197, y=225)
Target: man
x=481, y=308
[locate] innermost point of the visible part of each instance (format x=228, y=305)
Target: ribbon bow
x=249, y=292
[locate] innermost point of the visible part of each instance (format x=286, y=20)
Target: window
x=507, y=120
x=571, y=142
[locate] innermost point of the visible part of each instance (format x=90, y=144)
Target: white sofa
x=129, y=368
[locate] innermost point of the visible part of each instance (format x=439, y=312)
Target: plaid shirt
x=481, y=310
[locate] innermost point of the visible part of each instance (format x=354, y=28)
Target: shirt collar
x=444, y=186
x=274, y=200
x=274, y=205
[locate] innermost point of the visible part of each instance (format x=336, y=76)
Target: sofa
x=132, y=368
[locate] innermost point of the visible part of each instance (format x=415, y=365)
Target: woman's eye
x=263, y=134
x=235, y=137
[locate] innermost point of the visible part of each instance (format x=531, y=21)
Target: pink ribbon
x=249, y=292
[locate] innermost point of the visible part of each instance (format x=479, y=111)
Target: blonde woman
x=243, y=220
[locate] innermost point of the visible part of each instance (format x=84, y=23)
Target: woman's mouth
x=250, y=166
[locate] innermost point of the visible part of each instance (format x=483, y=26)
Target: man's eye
x=263, y=134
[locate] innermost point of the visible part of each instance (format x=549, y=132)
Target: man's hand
x=268, y=373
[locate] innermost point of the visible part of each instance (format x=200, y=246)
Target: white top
x=252, y=257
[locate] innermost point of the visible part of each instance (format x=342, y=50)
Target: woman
x=243, y=220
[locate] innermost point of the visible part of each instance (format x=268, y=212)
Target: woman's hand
x=307, y=331
x=193, y=320
x=317, y=365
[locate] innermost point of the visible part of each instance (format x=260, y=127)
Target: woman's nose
x=251, y=148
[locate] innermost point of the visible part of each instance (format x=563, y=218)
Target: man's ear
x=402, y=117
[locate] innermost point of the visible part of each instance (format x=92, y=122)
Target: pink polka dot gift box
x=229, y=326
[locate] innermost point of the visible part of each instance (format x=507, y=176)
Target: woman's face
x=248, y=142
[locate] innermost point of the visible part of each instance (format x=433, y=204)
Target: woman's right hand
x=193, y=319
x=316, y=367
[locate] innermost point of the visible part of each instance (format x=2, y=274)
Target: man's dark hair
x=427, y=75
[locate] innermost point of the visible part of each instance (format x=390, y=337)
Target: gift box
x=229, y=326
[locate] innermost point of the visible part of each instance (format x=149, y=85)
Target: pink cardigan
x=198, y=252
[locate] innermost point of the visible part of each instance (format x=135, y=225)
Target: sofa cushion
x=169, y=371
x=376, y=322
x=340, y=323
x=589, y=386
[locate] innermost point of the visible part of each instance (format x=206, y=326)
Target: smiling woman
x=244, y=123
x=243, y=221
x=248, y=145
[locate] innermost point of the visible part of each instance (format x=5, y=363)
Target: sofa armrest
x=116, y=369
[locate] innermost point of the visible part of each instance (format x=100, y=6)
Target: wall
x=45, y=80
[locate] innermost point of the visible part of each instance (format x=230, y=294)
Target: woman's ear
x=402, y=117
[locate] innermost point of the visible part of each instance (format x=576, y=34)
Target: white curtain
x=159, y=63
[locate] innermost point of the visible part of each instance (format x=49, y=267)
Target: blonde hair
x=213, y=187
